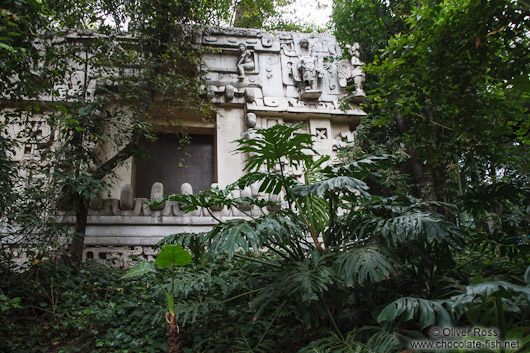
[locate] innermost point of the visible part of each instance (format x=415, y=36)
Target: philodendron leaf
x=427, y=312
x=140, y=270
x=172, y=255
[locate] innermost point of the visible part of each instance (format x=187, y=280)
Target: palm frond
x=359, y=169
x=384, y=341
x=234, y=234
x=511, y=297
x=410, y=226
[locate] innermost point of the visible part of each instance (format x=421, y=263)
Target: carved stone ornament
x=245, y=61
x=309, y=72
x=352, y=73
x=251, y=120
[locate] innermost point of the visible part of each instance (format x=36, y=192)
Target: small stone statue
x=308, y=70
x=245, y=62
x=357, y=73
x=353, y=50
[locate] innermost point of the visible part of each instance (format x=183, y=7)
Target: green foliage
x=374, y=251
x=266, y=147
x=141, y=269
x=267, y=14
x=343, y=271
x=172, y=255
x=169, y=257
x=368, y=263
x=497, y=304
x=91, y=309
x=428, y=312
x=103, y=66
x=439, y=77
x=353, y=263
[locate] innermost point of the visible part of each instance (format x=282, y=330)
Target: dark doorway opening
x=173, y=163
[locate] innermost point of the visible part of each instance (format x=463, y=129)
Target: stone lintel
x=328, y=110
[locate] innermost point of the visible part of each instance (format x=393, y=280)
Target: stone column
x=230, y=125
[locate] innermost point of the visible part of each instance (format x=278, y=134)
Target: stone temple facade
x=256, y=79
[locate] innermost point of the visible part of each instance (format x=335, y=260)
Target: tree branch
x=383, y=18
x=128, y=151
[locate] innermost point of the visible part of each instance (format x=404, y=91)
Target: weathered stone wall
x=256, y=79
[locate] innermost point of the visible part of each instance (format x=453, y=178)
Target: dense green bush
x=79, y=310
x=345, y=271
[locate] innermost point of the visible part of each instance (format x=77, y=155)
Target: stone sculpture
x=245, y=61
x=308, y=71
x=356, y=75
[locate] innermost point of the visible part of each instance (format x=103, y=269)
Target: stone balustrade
x=125, y=230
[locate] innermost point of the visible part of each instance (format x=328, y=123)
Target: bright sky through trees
x=317, y=12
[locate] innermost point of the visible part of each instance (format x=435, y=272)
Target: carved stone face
x=242, y=47
x=304, y=43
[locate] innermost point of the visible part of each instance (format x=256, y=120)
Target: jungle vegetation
x=424, y=223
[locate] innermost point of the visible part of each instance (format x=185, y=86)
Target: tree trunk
x=425, y=182
x=174, y=339
x=78, y=242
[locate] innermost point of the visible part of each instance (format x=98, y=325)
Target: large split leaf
x=429, y=312
x=336, y=184
x=368, y=263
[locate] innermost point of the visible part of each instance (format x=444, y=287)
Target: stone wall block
x=229, y=92
x=251, y=120
x=116, y=211
x=137, y=211
x=168, y=208
x=186, y=189
x=232, y=211
x=226, y=212
x=157, y=192
x=176, y=209
x=246, y=192
x=126, y=198
x=108, y=205
x=150, y=253
x=236, y=213
x=256, y=211
x=255, y=189
x=278, y=200
x=146, y=210
x=96, y=202
x=250, y=94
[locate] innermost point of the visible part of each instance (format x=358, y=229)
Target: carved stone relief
x=286, y=65
x=245, y=61
x=351, y=72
